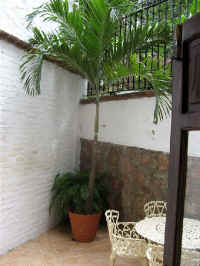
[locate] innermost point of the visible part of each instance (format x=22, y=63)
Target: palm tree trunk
x=88, y=206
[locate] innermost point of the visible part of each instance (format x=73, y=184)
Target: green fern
x=70, y=192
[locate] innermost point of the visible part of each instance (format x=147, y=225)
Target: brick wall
x=38, y=139
x=136, y=176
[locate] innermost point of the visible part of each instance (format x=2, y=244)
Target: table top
x=154, y=229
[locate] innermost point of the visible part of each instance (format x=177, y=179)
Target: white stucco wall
x=38, y=139
x=127, y=122
x=38, y=135
x=130, y=122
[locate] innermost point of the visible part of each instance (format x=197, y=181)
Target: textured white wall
x=38, y=139
x=127, y=122
x=130, y=122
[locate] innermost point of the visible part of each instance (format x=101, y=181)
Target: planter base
x=84, y=227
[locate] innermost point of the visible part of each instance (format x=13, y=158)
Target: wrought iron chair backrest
x=124, y=239
x=155, y=208
x=112, y=217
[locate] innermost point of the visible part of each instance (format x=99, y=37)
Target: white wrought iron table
x=154, y=229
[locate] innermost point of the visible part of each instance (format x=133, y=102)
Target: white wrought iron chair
x=188, y=258
x=125, y=242
x=155, y=251
x=155, y=254
x=155, y=208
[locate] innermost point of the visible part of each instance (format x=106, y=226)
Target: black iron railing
x=170, y=12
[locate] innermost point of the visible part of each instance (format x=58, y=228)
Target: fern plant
x=70, y=192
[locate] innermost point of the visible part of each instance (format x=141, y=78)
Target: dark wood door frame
x=185, y=117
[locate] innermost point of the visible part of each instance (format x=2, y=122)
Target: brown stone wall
x=136, y=176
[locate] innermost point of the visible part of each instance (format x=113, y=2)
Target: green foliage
x=85, y=39
x=31, y=69
x=194, y=7
x=70, y=192
x=158, y=79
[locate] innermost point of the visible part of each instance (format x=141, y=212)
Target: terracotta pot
x=84, y=227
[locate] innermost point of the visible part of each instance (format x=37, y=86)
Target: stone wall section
x=136, y=176
x=38, y=139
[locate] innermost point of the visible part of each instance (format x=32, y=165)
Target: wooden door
x=185, y=117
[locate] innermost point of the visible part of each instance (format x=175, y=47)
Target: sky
x=12, y=19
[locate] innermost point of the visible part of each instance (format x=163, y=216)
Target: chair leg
x=112, y=259
x=144, y=262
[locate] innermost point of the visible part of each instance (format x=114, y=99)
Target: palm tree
x=85, y=39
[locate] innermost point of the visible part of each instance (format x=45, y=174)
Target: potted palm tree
x=85, y=40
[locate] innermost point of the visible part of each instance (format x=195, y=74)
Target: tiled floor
x=56, y=248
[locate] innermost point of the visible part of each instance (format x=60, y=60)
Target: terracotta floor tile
x=56, y=248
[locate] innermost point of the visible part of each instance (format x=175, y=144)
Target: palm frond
x=54, y=10
x=86, y=39
x=139, y=39
x=31, y=69
x=54, y=45
x=159, y=80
